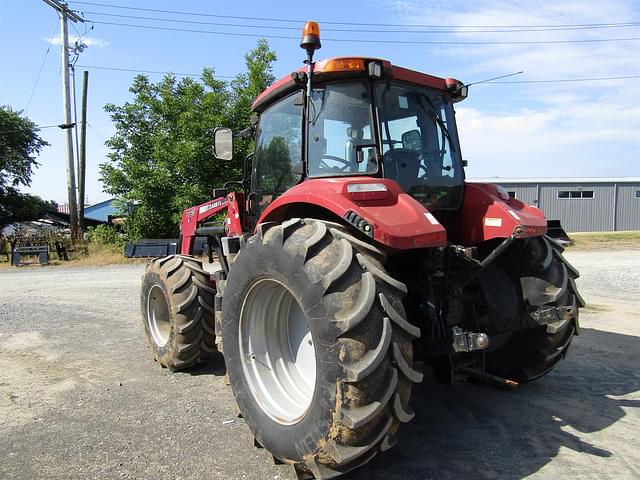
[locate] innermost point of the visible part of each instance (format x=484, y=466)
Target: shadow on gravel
x=471, y=431
x=213, y=366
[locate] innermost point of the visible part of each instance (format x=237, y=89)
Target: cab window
x=340, y=131
x=278, y=151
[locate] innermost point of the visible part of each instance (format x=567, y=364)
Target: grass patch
x=603, y=240
x=97, y=255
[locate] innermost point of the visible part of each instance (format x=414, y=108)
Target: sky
x=551, y=123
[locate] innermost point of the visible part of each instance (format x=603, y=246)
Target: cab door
x=278, y=154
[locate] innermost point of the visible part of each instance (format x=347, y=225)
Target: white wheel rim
x=277, y=352
x=158, y=316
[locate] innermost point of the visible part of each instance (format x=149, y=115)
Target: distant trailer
x=151, y=247
x=161, y=247
x=40, y=251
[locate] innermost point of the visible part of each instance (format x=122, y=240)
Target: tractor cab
x=353, y=117
x=363, y=117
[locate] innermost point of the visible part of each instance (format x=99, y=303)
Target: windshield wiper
x=436, y=117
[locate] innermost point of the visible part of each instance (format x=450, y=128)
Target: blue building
x=103, y=210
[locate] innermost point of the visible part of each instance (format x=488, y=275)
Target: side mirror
x=223, y=143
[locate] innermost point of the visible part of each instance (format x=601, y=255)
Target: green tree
x=16, y=207
x=161, y=159
x=19, y=146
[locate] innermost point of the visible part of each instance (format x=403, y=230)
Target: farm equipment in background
x=354, y=249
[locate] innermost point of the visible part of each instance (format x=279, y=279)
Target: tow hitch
x=468, y=341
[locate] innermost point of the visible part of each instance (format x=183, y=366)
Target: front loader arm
x=193, y=221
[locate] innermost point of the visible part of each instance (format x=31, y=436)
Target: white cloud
x=581, y=141
x=540, y=60
x=569, y=128
x=88, y=41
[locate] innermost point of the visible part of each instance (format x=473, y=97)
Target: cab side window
x=278, y=151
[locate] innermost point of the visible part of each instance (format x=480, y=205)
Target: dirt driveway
x=80, y=397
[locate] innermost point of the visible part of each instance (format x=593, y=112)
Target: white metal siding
x=628, y=208
x=525, y=193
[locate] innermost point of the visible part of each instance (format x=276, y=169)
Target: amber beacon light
x=310, y=37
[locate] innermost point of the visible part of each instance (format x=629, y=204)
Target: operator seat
x=402, y=165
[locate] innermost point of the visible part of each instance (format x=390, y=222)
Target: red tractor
x=354, y=250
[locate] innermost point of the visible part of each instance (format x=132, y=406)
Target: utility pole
x=83, y=148
x=65, y=13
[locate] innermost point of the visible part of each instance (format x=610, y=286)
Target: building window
x=512, y=193
x=637, y=193
x=575, y=194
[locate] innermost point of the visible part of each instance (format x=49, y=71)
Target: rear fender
x=486, y=215
x=391, y=218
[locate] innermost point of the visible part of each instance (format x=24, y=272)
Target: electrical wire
x=590, y=79
x=351, y=30
x=266, y=19
x=44, y=60
x=564, y=80
x=86, y=29
x=396, y=42
x=96, y=133
x=136, y=70
x=35, y=127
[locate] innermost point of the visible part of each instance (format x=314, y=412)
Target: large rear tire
x=545, y=281
x=317, y=346
x=177, y=311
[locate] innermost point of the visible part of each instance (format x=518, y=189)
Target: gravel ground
x=80, y=397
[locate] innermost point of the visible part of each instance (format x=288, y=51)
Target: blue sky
x=576, y=129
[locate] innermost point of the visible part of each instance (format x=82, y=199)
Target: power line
x=489, y=82
x=567, y=80
x=44, y=59
x=36, y=127
x=352, y=40
x=266, y=19
x=137, y=70
x=350, y=30
x=96, y=133
x=590, y=79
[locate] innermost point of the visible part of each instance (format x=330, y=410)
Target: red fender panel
x=398, y=220
x=486, y=214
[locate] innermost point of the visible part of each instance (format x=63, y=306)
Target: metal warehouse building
x=581, y=204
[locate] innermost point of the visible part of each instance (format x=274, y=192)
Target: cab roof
x=348, y=67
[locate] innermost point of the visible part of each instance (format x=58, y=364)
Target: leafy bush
x=105, y=235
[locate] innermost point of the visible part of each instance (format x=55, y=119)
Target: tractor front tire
x=317, y=346
x=177, y=311
x=545, y=280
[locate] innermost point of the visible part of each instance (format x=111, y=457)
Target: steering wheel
x=323, y=164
